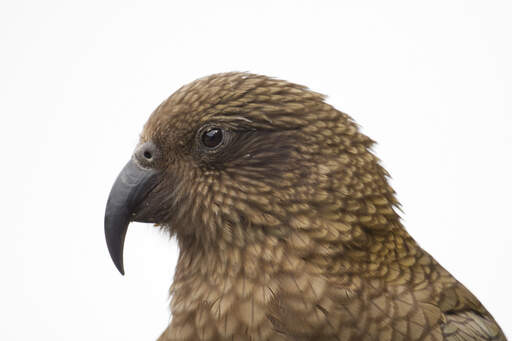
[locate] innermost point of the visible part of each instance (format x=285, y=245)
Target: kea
x=286, y=224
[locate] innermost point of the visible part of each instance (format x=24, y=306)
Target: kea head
x=233, y=158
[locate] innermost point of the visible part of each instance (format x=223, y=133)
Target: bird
x=287, y=226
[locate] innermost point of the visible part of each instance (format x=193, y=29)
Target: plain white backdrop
x=431, y=82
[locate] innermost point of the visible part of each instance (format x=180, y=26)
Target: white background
x=430, y=81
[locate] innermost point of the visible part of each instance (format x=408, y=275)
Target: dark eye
x=212, y=137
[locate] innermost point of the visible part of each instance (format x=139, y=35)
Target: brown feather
x=290, y=230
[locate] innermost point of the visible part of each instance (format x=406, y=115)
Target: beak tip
x=117, y=258
x=118, y=262
x=115, y=232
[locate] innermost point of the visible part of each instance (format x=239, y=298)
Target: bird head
x=235, y=157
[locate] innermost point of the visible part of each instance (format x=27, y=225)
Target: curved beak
x=129, y=191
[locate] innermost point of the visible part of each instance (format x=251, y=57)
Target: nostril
x=148, y=155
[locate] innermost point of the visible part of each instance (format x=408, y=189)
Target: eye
x=212, y=137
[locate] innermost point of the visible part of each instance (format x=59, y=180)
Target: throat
x=226, y=291
x=218, y=265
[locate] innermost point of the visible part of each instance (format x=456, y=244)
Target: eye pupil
x=212, y=137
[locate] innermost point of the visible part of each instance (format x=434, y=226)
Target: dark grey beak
x=129, y=191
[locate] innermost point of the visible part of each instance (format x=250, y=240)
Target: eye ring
x=212, y=137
